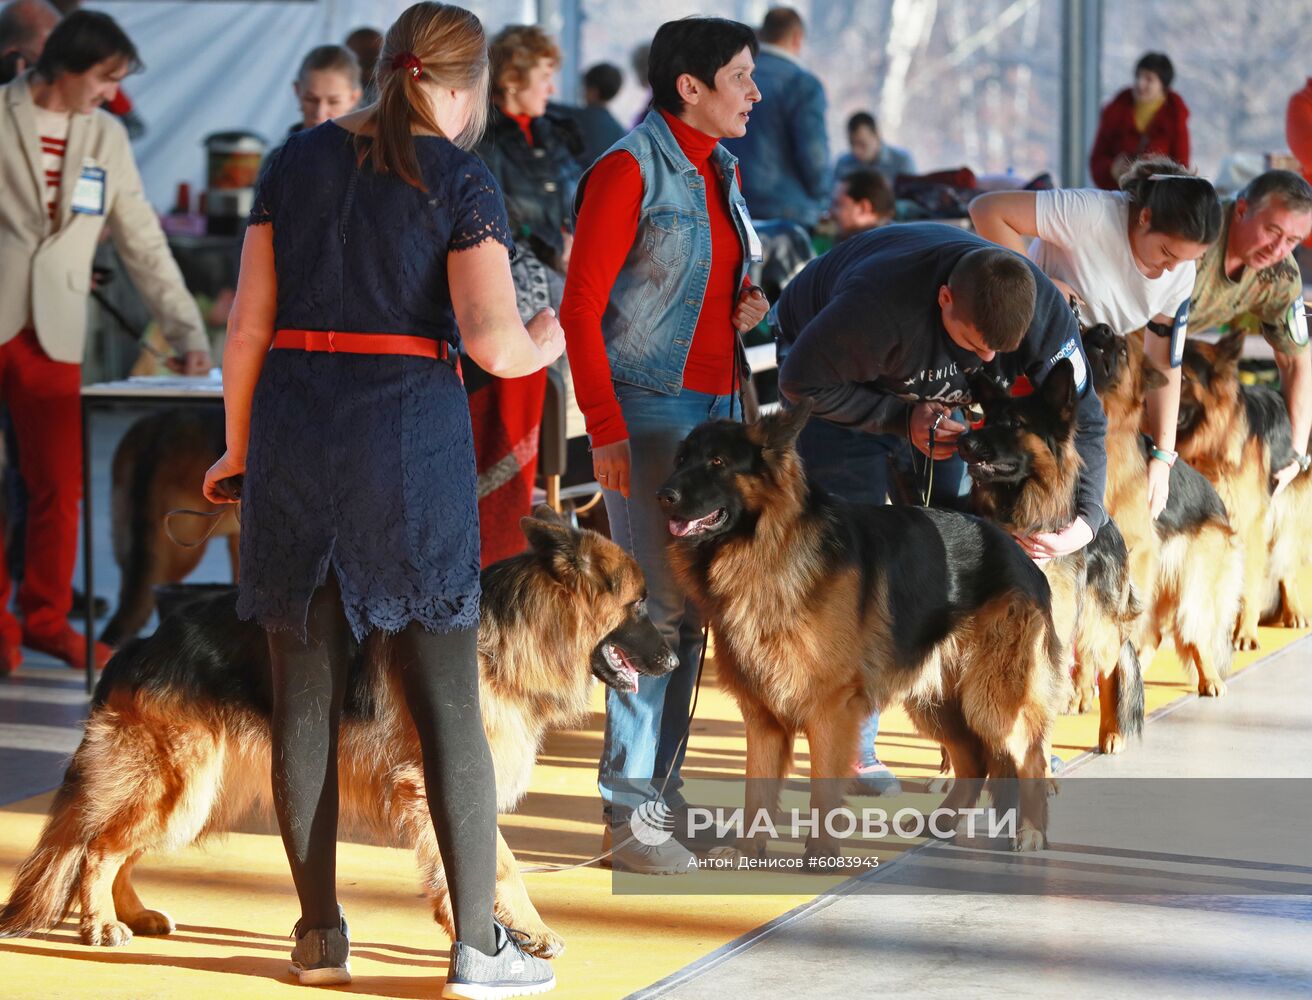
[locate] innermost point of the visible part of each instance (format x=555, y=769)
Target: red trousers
x=44, y=400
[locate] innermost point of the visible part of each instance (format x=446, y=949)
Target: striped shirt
x=52, y=130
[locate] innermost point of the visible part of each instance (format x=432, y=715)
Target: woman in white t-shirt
x=1127, y=257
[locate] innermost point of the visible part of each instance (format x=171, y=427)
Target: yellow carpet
x=234, y=905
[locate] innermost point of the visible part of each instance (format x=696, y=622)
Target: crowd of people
x=436, y=202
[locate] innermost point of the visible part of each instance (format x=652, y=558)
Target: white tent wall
x=218, y=66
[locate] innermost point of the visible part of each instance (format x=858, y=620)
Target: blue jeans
x=857, y=467
x=643, y=748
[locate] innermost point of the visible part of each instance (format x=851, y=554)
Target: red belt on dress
x=363, y=343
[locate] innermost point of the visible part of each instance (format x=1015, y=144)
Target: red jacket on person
x=1167, y=133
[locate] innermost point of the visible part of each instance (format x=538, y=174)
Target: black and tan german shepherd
x=177, y=745
x=159, y=466
x=823, y=610
x=1188, y=564
x=1025, y=470
x=1238, y=436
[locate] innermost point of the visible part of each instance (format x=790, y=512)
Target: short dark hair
x=871, y=186
x=862, y=119
x=779, y=23
x=605, y=78
x=1285, y=185
x=1182, y=204
x=1159, y=63
x=82, y=40
x=698, y=46
x=993, y=290
x=337, y=58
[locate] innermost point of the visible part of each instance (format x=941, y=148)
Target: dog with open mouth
x=177, y=744
x=824, y=610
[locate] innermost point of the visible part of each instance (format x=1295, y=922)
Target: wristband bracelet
x=1162, y=455
x=1304, y=462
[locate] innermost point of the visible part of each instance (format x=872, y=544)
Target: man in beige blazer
x=66, y=170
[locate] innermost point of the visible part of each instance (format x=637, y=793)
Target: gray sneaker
x=647, y=848
x=322, y=956
x=472, y=975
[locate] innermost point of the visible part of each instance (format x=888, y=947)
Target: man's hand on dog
x=227, y=466
x=935, y=416
x=1051, y=544
x=610, y=464
x=752, y=307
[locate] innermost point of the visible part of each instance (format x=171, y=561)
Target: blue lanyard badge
x=1178, y=333
x=89, y=192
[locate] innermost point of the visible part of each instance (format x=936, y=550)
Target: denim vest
x=656, y=299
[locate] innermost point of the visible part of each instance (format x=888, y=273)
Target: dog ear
x=1152, y=376
x=1058, y=389
x=546, y=512
x=1230, y=348
x=548, y=536
x=984, y=388
x=780, y=430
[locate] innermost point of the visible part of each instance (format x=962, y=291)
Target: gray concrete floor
x=1001, y=944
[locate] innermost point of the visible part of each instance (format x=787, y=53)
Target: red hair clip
x=410, y=61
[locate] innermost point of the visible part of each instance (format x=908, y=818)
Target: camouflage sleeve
x=1281, y=316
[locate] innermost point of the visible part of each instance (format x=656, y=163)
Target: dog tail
x=47, y=883
x=1129, y=691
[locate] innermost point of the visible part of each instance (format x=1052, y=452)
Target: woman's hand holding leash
x=1051, y=544
x=752, y=307
x=933, y=418
x=223, y=480
x=1159, y=487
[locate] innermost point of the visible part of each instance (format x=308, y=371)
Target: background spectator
x=600, y=128
x=1298, y=133
x=868, y=151
x=784, y=157
x=862, y=200
x=532, y=156
x=24, y=27
x=1147, y=118
x=326, y=86
x=366, y=43
x=45, y=272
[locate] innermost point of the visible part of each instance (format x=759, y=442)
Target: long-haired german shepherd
x=1238, y=436
x=177, y=745
x=1025, y=471
x=1188, y=564
x=823, y=610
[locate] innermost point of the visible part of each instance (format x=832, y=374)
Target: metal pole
x=563, y=19
x=1081, y=48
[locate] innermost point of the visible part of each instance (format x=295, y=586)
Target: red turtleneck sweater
x=603, y=236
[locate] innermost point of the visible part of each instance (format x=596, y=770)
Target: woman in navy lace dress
x=377, y=247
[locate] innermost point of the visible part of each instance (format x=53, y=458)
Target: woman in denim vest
x=656, y=297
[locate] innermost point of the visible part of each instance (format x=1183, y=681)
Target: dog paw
x=543, y=942
x=1111, y=742
x=105, y=933
x=1295, y=618
x=1029, y=839
x=1210, y=687
x=751, y=847
x=1088, y=701
x=1245, y=642
x=820, y=851
x=150, y=922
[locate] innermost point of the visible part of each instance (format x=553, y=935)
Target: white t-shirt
x=1084, y=241
x=52, y=131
